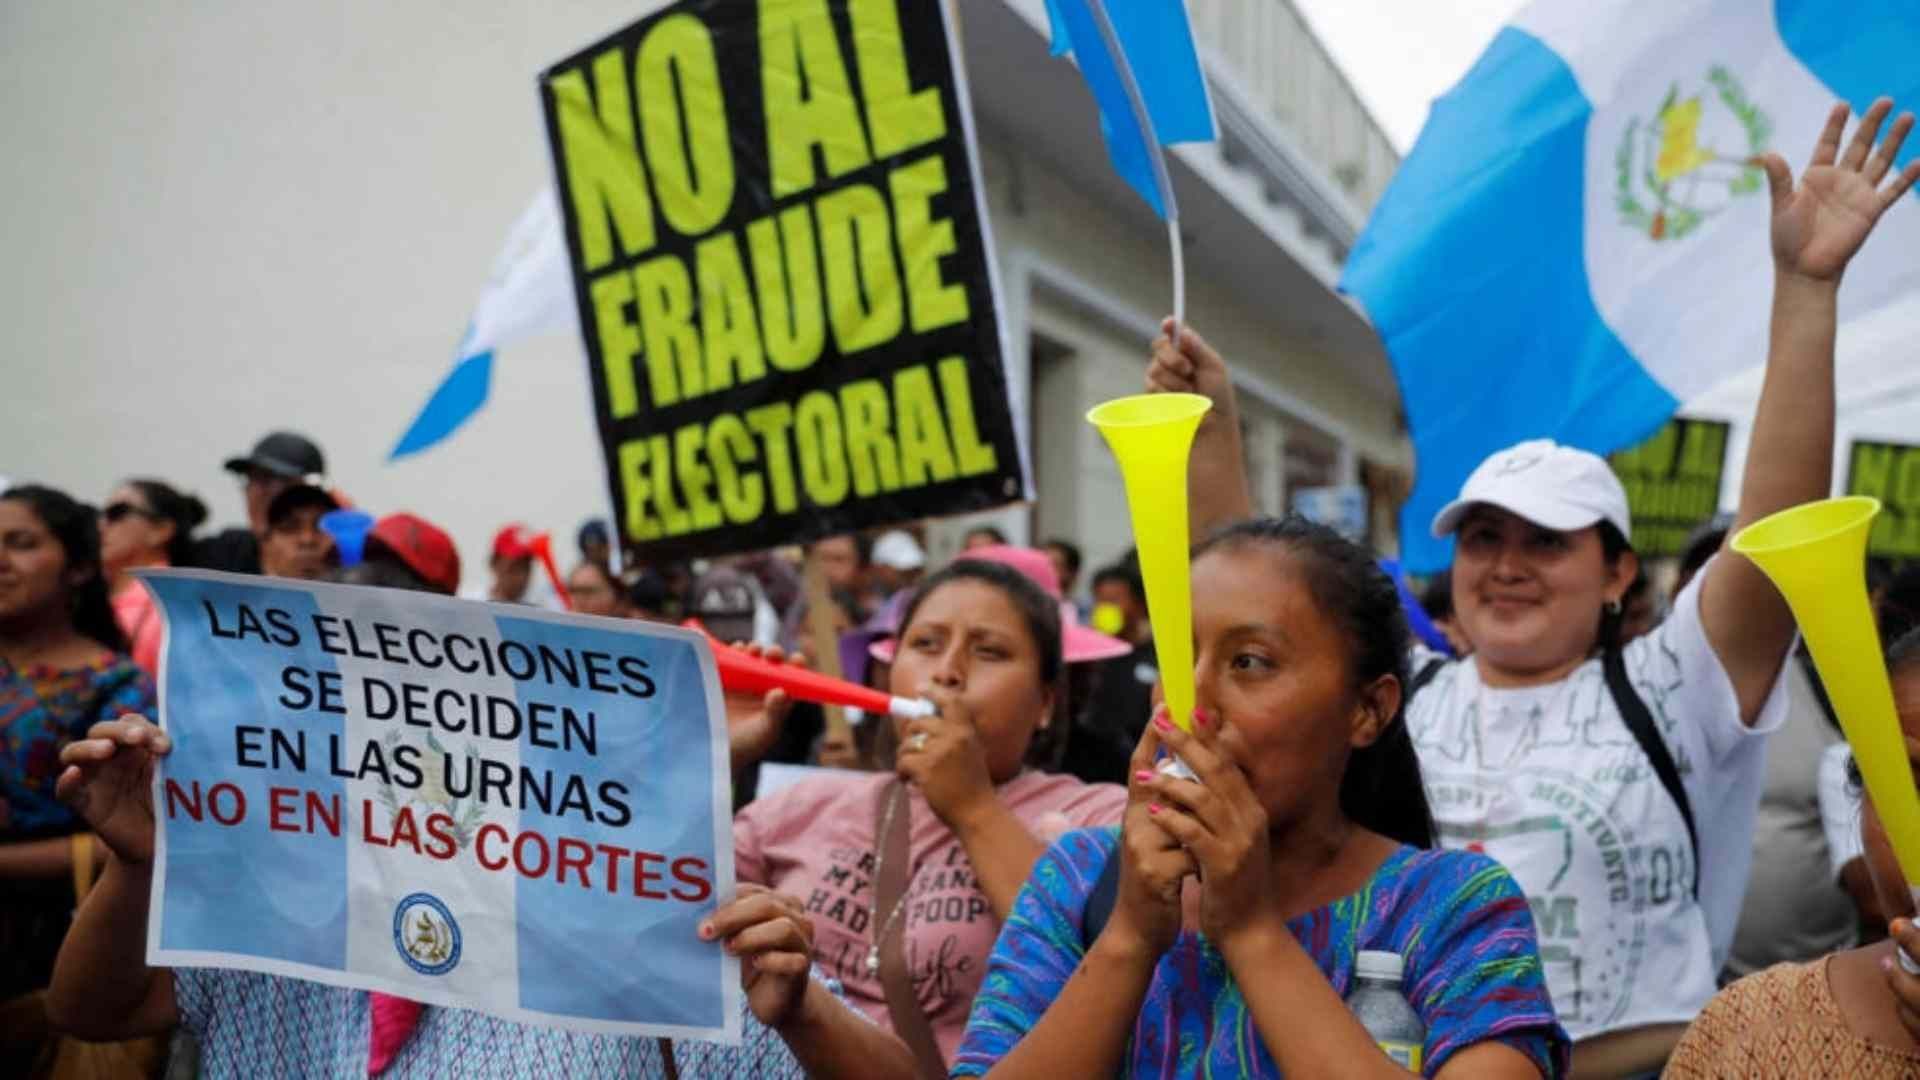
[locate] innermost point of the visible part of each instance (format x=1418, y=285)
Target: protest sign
x=780, y=257
x=1672, y=482
x=1889, y=472
x=465, y=804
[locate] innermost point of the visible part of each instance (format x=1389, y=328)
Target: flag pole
x=1161, y=179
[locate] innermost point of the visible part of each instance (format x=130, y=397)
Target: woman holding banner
x=909, y=874
x=1619, y=783
x=63, y=666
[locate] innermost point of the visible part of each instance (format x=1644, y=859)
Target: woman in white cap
x=1619, y=783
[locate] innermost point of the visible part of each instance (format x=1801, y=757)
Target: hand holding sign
x=773, y=938
x=108, y=780
x=754, y=721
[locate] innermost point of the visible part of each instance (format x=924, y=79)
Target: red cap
x=513, y=541
x=426, y=549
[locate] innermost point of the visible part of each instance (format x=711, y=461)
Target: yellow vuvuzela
x=1816, y=555
x=1151, y=436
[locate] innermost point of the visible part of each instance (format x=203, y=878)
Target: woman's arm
x=773, y=937
x=1217, y=492
x=1817, y=229
x=102, y=987
x=1001, y=848
x=1084, y=1031
x=48, y=858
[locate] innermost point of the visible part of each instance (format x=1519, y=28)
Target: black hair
x=987, y=530
x=1127, y=574
x=649, y=594
x=1437, y=599
x=184, y=511
x=1897, y=607
x=381, y=569
x=862, y=545
x=1382, y=789
x=1039, y=611
x=1069, y=549
x=1613, y=616
x=76, y=528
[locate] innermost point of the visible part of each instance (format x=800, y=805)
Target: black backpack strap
x=1421, y=678
x=1639, y=721
x=1106, y=892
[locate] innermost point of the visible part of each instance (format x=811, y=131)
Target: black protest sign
x=780, y=258
x=1673, y=482
x=1889, y=472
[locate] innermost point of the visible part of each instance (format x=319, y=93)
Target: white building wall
x=223, y=219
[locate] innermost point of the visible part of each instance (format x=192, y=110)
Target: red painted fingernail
x=706, y=931
x=1200, y=717
x=1143, y=776
x=1160, y=721
x=1153, y=808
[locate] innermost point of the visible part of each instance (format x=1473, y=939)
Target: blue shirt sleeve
x=1038, y=950
x=1474, y=971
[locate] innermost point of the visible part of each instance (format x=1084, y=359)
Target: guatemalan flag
x=1577, y=243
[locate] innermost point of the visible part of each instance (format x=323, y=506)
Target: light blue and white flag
x=465, y=804
x=1156, y=47
x=528, y=293
x=1578, y=242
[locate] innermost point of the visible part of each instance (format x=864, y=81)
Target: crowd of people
x=1603, y=835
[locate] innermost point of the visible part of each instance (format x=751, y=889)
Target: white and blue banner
x=1578, y=242
x=465, y=804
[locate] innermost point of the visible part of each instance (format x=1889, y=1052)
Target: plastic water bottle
x=1380, y=1006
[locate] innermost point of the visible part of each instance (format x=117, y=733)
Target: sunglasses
x=121, y=511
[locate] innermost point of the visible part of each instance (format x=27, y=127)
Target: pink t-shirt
x=815, y=841
x=133, y=609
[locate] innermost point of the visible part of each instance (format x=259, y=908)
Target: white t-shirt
x=1549, y=781
x=1840, y=808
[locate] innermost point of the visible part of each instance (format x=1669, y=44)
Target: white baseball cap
x=897, y=549
x=1554, y=486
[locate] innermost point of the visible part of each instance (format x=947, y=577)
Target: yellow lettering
x=660, y=456
x=633, y=473
x=728, y=444
x=604, y=177
x=672, y=349
x=792, y=328
x=809, y=101
x=619, y=341
x=863, y=289
x=682, y=112
x=975, y=456
x=899, y=117
x=932, y=303
x=771, y=423
x=727, y=327
x=921, y=430
x=694, y=476
x=863, y=412
x=823, y=463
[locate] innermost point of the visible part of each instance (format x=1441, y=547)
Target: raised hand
x=1820, y=225
x=773, y=937
x=754, y=723
x=1154, y=866
x=108, y=780
x=1191, y=366
x=1221, y=822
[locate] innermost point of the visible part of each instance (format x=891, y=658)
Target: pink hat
x=1078, y=644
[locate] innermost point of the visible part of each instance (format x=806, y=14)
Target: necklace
x=886, y=823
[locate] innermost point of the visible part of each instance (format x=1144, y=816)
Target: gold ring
x=918, y=742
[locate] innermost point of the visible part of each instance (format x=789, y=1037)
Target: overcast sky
x=1401, y=54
